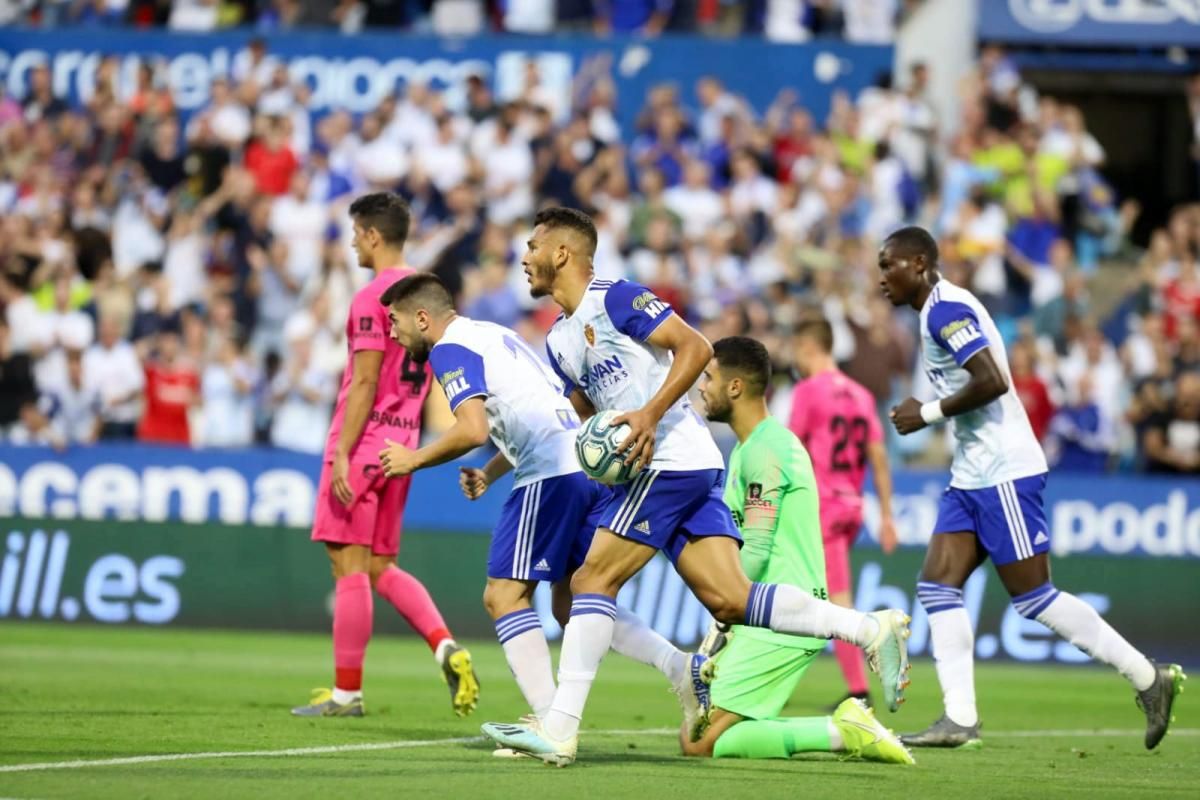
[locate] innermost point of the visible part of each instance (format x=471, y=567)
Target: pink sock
x=352, y=616
x=854, y=666
x=412, y=600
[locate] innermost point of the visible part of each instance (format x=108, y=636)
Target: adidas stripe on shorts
x=662, y=509
x=545, y=528
x=1009, y=519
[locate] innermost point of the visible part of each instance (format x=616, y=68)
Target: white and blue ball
x=597, y=448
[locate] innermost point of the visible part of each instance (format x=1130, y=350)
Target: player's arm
x=460, y=372
x=765, y=487
x=364, y=382
x=636, y=312
x=474, y=481
x=691, y=353
x=582, y=405
x=877, y=455
x=470, y=430
x=956, y=329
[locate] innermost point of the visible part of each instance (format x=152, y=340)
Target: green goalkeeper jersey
x=772, y=492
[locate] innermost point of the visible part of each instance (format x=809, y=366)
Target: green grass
x=71, y=692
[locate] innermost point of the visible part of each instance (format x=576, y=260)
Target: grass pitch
x=220, y=701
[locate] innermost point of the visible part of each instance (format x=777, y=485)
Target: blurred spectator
x=72, y=409
x=194, y=15
x=226, y=389
x=112, y=366
x=172, y=390
x=1082, y=437
x=1171, y=439
x=41, y=102
x=18, y=394
x=1034, y=394
x=881, y=353
x=870, y=21
x=649, y=17
x=529, y=16
x=303, y=394
x=270, y=159
x=694, y=202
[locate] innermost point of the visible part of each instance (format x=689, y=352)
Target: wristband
x=931, y=412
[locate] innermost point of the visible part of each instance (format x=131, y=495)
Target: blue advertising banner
x=1117, y=515
x=355, y=72
x=1083, y=23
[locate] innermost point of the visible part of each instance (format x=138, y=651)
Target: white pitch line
x=292, y=751
x=410, y=743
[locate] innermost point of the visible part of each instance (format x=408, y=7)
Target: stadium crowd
x=864, y=21
x=188, y=281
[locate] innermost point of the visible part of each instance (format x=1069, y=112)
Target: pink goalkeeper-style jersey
x=836, y=419
x=403, y=383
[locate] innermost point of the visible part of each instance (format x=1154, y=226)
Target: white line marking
x=293, y=751
x=1082, y=733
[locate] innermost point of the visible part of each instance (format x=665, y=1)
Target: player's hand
x=639, y=445
x=473, y=482
x=398, y=460
x=906, y=417
x=887, y=535
x=341, y=480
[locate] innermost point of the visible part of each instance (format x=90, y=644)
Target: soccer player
x=773, y=494
x=993, y=505
x=358, y=509
x=835, y=419
x=617, y=346
x=498, y=387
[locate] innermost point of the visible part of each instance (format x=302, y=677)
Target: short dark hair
x=916, y=241
x=421, y=289
x=572, y=218
x=385, y=212
x=818, y=329
x=747, y=357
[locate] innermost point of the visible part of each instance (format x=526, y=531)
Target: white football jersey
x=529, y=418
x=601, y=349
x=995, y=443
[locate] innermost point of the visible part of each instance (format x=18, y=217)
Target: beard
x=419, y=353
x=718, y=412
x=541, y=280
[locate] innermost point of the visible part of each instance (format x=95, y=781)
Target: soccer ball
x=596, y=449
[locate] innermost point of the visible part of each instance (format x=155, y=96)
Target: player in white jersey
x=498, y=387
x=619, y=347
x=993, y=505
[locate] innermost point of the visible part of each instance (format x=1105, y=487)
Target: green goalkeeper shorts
x=755, y=678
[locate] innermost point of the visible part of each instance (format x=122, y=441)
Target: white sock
x=344, y=696
x=637, y=640
x=587, y=637
x=524, y=642
x=439, y=654
x=836, y=745
x=790, y=609
x=953, y=644
x=1079, y=624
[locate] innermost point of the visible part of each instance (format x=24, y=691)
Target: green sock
x=774, y=738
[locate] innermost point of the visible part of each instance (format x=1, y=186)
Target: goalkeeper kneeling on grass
x=773, y=495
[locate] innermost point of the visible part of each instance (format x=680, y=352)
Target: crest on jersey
x=589, y=333
x=364, y=324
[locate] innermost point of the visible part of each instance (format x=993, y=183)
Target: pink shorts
x=839, y=529
x=373, y=517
